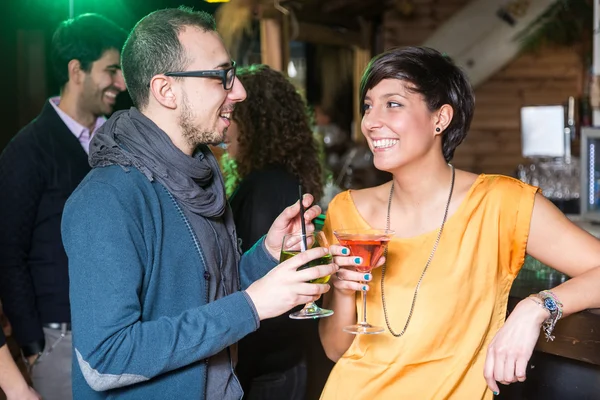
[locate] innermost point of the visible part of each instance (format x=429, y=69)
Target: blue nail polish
x=364, y=288
x=367, y=277
x=496, y=393
x=345, y=252
x=357, y=260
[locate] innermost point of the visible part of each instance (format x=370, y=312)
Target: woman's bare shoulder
x=465, y=180
x=369, y=200
x=371, y=195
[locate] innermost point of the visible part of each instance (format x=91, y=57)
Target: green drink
x=326, y=259
x=295, y=243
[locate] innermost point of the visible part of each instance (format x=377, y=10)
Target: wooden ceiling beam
x=332, y=6
x=271, y=44
x=335, y=13
x=321, y=34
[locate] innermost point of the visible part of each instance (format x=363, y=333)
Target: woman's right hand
x=348, y=280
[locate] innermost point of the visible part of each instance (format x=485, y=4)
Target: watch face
x=550, y=304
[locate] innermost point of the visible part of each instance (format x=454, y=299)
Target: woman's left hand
x=510, y=350
x=348, y=279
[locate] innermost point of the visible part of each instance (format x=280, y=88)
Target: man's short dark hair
x=84, y=38
x=153, y=48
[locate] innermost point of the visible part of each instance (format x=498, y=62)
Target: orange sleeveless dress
x=460, y=306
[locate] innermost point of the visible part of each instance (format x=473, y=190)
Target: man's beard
x=192, y=134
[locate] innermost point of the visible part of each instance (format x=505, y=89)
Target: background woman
x=270, y=146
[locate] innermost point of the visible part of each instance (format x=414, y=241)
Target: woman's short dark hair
x=274, y=128
x=84, y=38
x=153, y=48
x=436, y=78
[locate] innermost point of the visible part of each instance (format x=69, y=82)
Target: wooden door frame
x=274, y=33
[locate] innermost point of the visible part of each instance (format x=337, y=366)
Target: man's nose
x=237, y=92
x=119, y=81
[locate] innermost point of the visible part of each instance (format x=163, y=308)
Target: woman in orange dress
x=460, y=241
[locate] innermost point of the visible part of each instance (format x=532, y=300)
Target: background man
x=39, y=169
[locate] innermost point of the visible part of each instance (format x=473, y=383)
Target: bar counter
x=569, y=366
x=578, y=335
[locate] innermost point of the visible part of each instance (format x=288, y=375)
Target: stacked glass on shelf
x=558, y=179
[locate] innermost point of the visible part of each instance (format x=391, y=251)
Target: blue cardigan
x=142, y=328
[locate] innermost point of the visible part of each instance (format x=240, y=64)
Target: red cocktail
x=370, y=245
x=369, y=250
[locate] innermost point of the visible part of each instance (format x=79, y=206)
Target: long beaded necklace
x=435, y=245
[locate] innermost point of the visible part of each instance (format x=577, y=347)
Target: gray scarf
x=129, y=138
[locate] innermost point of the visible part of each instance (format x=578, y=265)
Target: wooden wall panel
x=548, y=76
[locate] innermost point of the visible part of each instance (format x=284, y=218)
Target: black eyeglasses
x=227, y=75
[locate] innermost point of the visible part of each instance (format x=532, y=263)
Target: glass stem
x=364, y=306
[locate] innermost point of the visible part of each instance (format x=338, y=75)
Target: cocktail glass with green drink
x=293, y=244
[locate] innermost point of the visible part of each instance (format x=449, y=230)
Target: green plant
x=565, y=23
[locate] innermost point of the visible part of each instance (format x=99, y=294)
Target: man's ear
x=76, y=74
x=162, y=90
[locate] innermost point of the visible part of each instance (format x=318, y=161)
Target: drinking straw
x=304, y=246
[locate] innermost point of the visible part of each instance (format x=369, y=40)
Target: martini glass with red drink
x=370, y=245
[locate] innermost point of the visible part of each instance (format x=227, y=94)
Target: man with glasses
x=160, y=292
x=39, y=169
x=226, y=75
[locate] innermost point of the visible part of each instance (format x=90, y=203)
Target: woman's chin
x=387, y=165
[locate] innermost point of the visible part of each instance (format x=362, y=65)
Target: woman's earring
x=437, y=129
